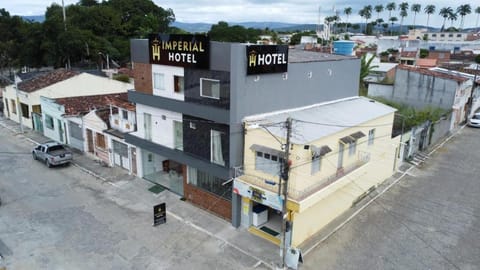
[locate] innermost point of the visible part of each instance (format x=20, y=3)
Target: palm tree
x=379, y=9
x=403, y=7
x=445, y=12
x=347, y=11
x=392, y=20
x=366, y=12
x=463, y=10
x=379, y=23
x=391, y=7
x=477, y=10
x=429, y=10
x=415, y=9
x=452, y=17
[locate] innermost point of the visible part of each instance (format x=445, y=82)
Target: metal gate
x=120, y=155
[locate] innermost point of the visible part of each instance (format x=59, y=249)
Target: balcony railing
x=118, y=123
x=299, y=195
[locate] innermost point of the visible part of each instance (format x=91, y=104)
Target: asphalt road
x=428, y=220
x=63, y=218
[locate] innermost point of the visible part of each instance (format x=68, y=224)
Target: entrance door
x=37, y=122
x=120, y=155
x=89, y=141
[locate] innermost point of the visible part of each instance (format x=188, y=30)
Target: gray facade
x=422, y=90
x=311, y=78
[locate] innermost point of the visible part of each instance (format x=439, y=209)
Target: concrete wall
x=380, y=90
x=54, y=110
x=420, y=90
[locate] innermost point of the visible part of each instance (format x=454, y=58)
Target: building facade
x=190, y=131
x=339, y=152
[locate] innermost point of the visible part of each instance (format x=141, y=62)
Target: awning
x=320, y=151
x=264, y=149
x=357, y=135
x=352, y=137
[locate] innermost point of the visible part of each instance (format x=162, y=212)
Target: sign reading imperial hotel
x=191, y=51
x=267, y=59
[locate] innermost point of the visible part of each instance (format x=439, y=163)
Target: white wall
x=162, y=129
x=169, y=72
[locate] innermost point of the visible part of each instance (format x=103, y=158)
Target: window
x=177, y=135
x=316, y=164
x=352, y=147
x=371, y=136
x=434, y=35
x=268, y=163
x=75, y=130
x=25, y=110
x=159, y=81
x=178, y=84
x=209, y=183
x=48, y=121
x=210, y=88
x=100, y=141
x=14, y=106
x=216, y=148
x=125, y=115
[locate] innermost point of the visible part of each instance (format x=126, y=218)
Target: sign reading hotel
x=263, y=59
x=191, y=51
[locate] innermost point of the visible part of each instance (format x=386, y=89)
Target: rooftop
x=47, y=79
x=84, y=104
x=437, y=74
x=323, y=119
x=302, y=56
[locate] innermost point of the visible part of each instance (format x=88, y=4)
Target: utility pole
x=284, y=175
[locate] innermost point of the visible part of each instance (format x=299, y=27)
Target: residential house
x=189, y=114
x=447, y=36
x=85, y=122
x=54, y=84
x=339, y=152
x=408, y=56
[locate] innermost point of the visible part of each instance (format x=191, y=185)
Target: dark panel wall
x=192, y=87
x=197, y=141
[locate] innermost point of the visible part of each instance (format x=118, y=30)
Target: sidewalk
x=132, y=192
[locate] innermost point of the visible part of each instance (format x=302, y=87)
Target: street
x=63, y=218
x=428, y=220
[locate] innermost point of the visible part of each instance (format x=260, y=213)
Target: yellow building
x=339, y=152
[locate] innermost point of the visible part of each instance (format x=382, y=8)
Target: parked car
x=52, y=153
x=474, y=121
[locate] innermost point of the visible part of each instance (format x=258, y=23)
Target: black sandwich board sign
x=159, y=214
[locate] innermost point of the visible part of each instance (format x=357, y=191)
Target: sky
x=290, y=11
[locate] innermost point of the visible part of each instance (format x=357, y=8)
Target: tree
x=366, y=68
x=392, y=21
x=429, y=10
x=403, y=7
x=452, y=17
x=463, y=10
x=391, y=7
x=347, y=11
x=379, y=9
x=477, y=10
x=445, y=13
x=366, y=12
x=415, y=9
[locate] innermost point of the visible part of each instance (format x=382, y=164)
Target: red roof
x=84, y=104
x=433, y=73
x=425, y=62
x=45, y=80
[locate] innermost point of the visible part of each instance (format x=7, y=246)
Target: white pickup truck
x=52, y=153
